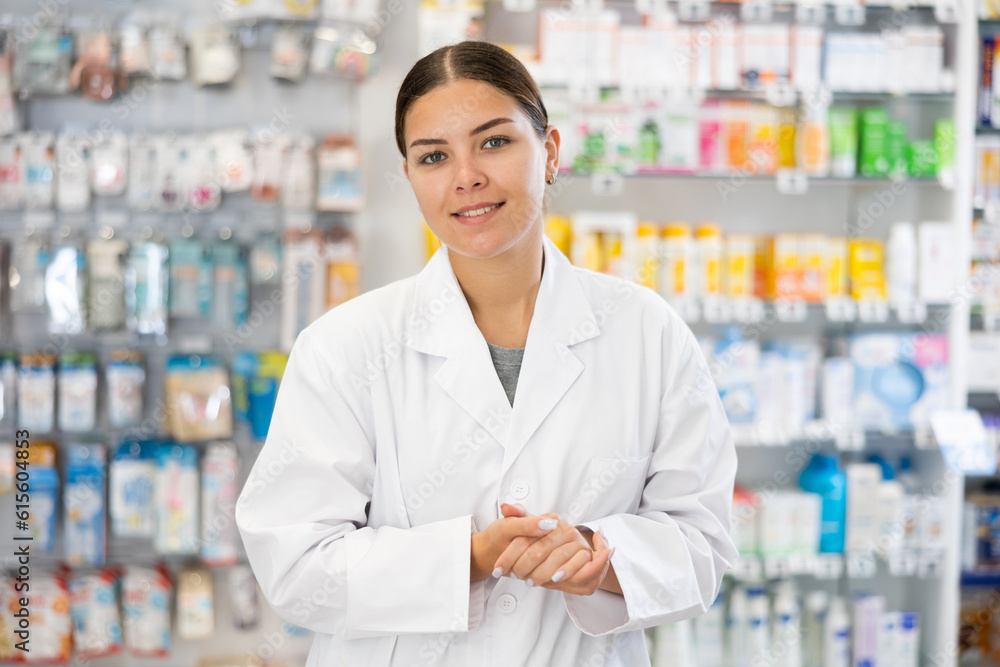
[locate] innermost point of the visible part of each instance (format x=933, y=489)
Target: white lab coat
x=392, y=440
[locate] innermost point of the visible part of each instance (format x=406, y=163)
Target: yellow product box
x=611, y=253
x=741, y=257
x=708, y=239
x=784, y=278
x=678, y=261
x=586, y=250
x=786, y=138
x=647, y=264
x=866, y=273
x=763, y=139
x=812, y=264
x=836, y=267
x=431, y=240
x=559, y=229
x=761, y=248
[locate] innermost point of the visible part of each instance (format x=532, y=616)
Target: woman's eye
x=427, y=158
x=499, y=142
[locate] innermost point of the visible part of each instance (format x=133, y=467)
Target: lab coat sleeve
x=671, y=554
x=303, y=511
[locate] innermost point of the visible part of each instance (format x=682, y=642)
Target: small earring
x=552, y=180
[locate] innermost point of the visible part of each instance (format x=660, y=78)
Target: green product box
x=895, y=147
x=873, y=159
x=944, y=144
x=843, y=141
x=922, y=158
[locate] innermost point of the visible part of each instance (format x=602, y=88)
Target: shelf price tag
x=903, y=563
x=965, y=446
x=946, y=11
x=748, y=311
x=652, y=7
x=828, y=566
x=799, y=564
x=693, y=11
x=840, y=309
x=850, y=13
x=861, y=566
x=688, y=310
x=781, y=95
x=747, y=568
x=776, y=568
x=717, y=310
x=756, y=11
x=791, y=310
x=519, y=5
x=911, y=312
x=607, y=183
x=871, y=310
x=929, y=564
x=792, y=181
x=810, y=13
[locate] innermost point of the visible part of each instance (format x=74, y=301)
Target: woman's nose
x=469, y=175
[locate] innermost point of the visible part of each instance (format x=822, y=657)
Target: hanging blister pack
x=340, y=175
x=195, y=606
x=289, y=54
x=95, y=71
x=265, y=260
x=134, y=47
x=86, y=513
x=199, y=405
x=166, y=51
x=77, y=398
x=8, y=390
x=229, y=285
x=243, y=597
x=344, y=49
x=73, y=174
x=131, y=488
x=233, y=159
x=125, y=377
x=298, y=187
x=65, y=289
x=39, y=169
x=44, y=488
x=97, y=625
x=106, y=284
x=268, y=167
x=171, y=158
x=27, y=274
x=51, y=625
x=8, y=110
x=142, y=174
x=11, y=179
x=215, y=56
x=42, y=65
x=146, y=288
x=203, y=193
x=109, y=164
x=146, y=593
x=190, y=278
x=219, y=491
x=36, y=393
x=176, y=500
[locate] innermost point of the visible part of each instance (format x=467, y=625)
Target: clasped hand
x=548, y=552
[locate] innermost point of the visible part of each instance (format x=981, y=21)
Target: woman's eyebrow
x=482, y=128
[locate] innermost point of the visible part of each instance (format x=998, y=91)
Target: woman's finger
x=526, y=532
x=588, y=577
x=567, y=571
x=556, y=562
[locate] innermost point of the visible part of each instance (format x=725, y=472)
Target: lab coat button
x=519, y=490
x=507, y=602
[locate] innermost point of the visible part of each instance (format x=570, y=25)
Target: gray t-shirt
x=507, y=361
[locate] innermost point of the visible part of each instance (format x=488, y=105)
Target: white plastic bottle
x=813, y=627
x=736, y=628
x=902, y=263
x=709, y=631
x=758, y=628
x=837, y=635
x=786, y=642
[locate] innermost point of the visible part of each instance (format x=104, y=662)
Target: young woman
x=505, y=459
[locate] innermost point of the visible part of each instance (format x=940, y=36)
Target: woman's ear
x=405, y=171
x=552, y=147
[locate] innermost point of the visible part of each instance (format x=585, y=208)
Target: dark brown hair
x=478, y=61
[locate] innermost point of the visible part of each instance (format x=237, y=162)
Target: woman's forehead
x=460, y=106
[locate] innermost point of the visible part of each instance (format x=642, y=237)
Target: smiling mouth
x=479, y=211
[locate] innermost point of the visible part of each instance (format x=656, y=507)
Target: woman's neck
x=501, y=290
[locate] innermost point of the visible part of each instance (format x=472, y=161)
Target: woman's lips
x=478, y=219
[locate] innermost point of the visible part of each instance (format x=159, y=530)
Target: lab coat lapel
x=562, y=318
x=442, y=325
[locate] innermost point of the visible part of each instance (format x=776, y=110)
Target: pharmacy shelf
x=819, y=432
x=901, y=563
x=986, y=578
x=667, y=174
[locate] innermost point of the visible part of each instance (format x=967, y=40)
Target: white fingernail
x=558, y=575
x=547, y=524
x=604, y=537
x=513, y=576
x=528, y=582
x=497, y=571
